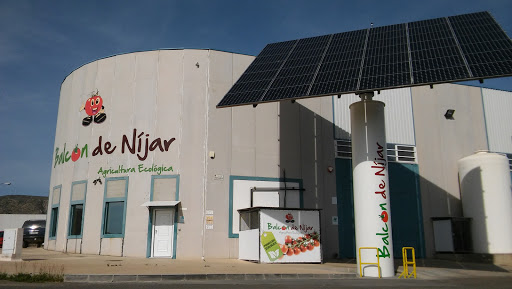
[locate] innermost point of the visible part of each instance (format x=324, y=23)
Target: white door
x=163, y=232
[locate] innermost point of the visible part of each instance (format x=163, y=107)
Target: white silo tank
x=487, y=198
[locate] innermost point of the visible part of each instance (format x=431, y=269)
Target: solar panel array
x=457, y=48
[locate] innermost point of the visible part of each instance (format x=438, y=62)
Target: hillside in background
x=22, y=204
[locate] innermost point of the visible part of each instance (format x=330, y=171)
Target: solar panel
x=450, y=49
x=485, y=45
x=435, y=55
x=341, y=66
x=386, y=61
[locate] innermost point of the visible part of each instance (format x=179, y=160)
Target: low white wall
x=11, y=221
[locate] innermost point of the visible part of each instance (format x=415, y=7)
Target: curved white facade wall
x=152, y=121
x=486, y=199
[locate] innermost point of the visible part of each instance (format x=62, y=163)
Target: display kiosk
x=280, y=235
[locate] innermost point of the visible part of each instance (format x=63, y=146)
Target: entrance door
x=163, y=232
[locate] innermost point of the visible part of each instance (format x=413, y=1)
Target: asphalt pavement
x=466, y=283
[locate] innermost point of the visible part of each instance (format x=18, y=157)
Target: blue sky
x=41, y=42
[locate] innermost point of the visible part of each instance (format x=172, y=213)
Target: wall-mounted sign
x=209, y=219
x=94, y=109
x=139, y=144
x=140, y=168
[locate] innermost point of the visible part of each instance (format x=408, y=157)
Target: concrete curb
x=199, y=277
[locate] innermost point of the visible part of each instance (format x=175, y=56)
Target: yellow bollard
x=360, y=263
x=406, y=263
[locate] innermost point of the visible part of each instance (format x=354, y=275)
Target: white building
x=153, y=149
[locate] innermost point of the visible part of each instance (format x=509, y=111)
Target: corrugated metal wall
x=498, y=118
x=398, y=114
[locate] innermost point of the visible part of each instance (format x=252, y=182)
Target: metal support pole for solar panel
x=372, y=212
x=366, y=95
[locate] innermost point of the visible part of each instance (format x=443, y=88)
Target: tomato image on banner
x=301, y=244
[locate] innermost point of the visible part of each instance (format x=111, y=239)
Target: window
x=114, y=218
x=247, y=192
x=76, y=214
x=54, y=217
x=395, y=152
x=53, y=226
x=401, y=153
x=343, y=149
x=164, y=188
x=114, y=207
x=75, y=226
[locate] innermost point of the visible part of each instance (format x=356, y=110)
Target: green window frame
x=114, y=208
x=234, y=178
x=54, y=213
x=153, y=194
x=77, y=209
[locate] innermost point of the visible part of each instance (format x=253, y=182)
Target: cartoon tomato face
x=289, y=217
x=93, y=105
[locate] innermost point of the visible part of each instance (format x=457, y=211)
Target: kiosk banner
x=290, y=236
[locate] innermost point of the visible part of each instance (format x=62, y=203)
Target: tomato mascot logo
x=94, y=109
x=289, y=218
